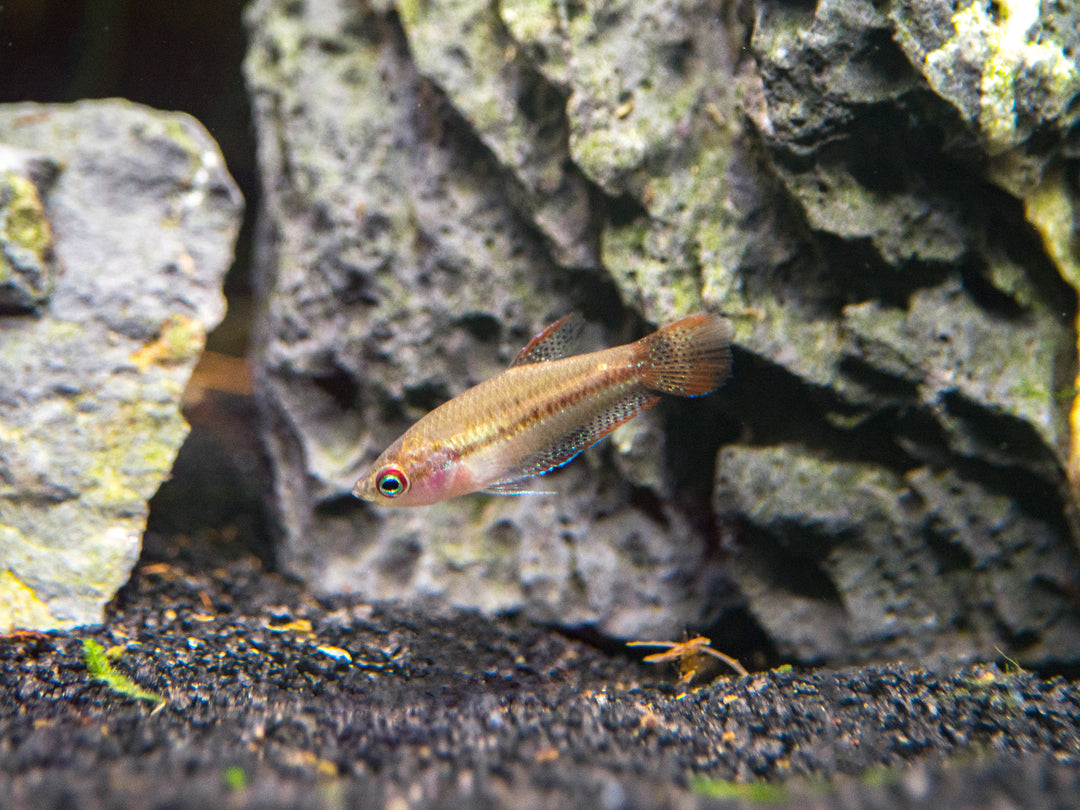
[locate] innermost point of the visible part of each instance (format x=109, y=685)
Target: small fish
x=544, y=410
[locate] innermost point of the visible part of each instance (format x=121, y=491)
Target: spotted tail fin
x=687, y=358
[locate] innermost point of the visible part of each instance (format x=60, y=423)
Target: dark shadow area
x=1008, y=228
x=215, y=493
x=797, y=574
x=774, y=406
x=873, y=378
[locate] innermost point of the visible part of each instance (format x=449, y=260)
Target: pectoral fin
x=522, y=486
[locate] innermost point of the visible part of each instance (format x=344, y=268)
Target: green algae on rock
x=1009, y=68
x=142, y=218
x=27, y=262
x=922, y=324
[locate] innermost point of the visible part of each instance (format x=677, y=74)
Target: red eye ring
x=392, y=482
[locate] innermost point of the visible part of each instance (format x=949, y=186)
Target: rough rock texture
x=850, y=570
x=652, y=121
x=513, y=111
x=895, y=244
x=402, y=272
x=117, y=227
x=928, y=328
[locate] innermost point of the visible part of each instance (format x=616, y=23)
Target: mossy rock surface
x=139, y=216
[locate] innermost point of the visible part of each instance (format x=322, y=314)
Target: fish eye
x=391, y=482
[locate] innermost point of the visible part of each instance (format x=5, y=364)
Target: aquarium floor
x=273, y=698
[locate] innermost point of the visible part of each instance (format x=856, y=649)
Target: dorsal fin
x=553, y=343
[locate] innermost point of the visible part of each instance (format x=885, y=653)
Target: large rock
x=925, y=332
x=443, y=180
x=116, y=228
x=407, y=260
x=850, y=561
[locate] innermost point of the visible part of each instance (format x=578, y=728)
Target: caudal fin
x=688, y=358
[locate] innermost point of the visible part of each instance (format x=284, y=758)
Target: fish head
x=406, y=476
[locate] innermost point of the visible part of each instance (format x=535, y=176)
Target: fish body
x=544, y=410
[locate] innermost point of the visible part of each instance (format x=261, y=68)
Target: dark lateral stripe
x=558, y=402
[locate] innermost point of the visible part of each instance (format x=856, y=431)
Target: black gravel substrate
x=277, y=699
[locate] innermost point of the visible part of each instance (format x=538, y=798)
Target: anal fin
x=566, y=447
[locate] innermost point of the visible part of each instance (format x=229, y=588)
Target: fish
x=544, y=410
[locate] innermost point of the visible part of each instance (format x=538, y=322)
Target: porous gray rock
x=849, y=560
x=899, y=267
x=119, y=224
x=518, y=115
x=653, y=122
x=403, y=261
x=927, y=331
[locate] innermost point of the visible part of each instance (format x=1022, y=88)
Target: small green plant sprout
x=752, y=792
x=692, y=655
x=101, y=669
x=1011, y=666
x=235, y=778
